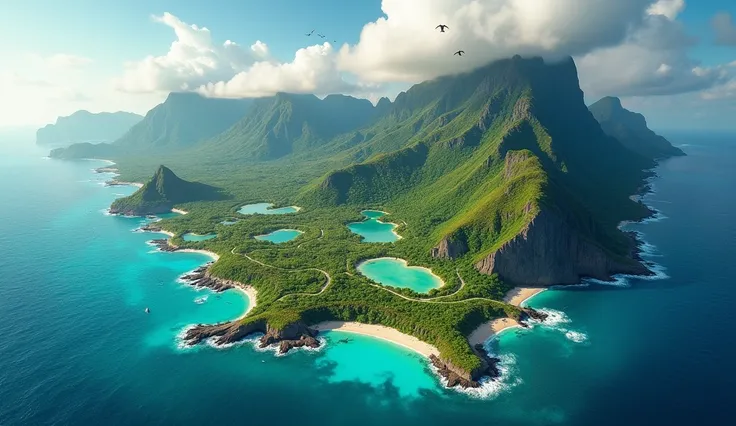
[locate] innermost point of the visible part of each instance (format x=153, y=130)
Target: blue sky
x=92, y=54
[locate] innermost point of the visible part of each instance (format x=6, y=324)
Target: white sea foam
x=490, y=388
x=576, y=336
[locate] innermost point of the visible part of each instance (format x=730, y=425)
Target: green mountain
x=631, y=129
x=179, y=122
x=161, y=193
x=504, y=167
x=84, y=126
x=286, y=124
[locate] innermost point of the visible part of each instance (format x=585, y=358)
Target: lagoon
x=197, y=237
x=280, y=236
x=266, y=208
x=373, y=230
x=397, y=273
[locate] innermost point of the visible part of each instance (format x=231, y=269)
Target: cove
x=373, y=230
x=265, y=208
x=280, y=236
x=397, y=273
x=196, y=237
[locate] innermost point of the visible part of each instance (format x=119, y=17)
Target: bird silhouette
x=309, y=33
x=442, y=27
x=460, y=52
x=320, y=35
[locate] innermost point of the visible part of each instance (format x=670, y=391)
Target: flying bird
x=460, y=52
x=320, y=35
x=310, y=33
x=442, y=27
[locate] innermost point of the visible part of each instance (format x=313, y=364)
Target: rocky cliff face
x=294, y=335
x=449, y=249
x=548, y=251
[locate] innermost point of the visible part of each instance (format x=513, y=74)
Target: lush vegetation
x=468, y=159
x=161, y=193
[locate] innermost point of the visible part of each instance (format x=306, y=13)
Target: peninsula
x=497, y=179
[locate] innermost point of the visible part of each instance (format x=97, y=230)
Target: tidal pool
x=373, y=230
x=280, y=236
x=265, y=208
x=397, y=273
x=197, y=237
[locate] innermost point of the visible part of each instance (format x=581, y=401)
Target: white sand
x=489, y=329
x=518, y=295
x=251, y=293
x=381, y=332
x=180, y=211
x=205, y=252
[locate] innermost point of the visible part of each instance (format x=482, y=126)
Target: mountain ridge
x=85, y=126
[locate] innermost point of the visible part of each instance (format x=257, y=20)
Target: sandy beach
x=518, y=295
x=251, y=293
x=179, y=211
x=214, y=256
x=380, y=332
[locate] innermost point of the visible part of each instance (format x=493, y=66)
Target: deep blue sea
x=76, y=346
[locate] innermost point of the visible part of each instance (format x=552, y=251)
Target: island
x=500, y=182
x=85, y=127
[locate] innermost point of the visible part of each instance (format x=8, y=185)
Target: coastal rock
x=456, y=376
x=294, y=335
x=548, y=251
x=203, y=279
x=533, y=314
x=225, y=333
x=164, y=245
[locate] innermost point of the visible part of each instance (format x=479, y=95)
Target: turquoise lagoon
x=373, y=230
x=397, y=273
x=198, y=237
x=280, y=236
x=266, y=208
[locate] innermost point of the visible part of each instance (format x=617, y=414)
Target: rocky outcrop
x=294, y=335
x=164, y=245
x=548, y=251
x=449, y=249
x=456, y=376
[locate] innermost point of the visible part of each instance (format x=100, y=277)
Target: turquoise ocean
x=76, y=346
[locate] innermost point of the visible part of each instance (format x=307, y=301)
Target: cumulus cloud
x=725, y=29
x=313, y=70
x=668, y=8
x=405, y=46
x=195, y=63
x=653, y=60
x=192, y=60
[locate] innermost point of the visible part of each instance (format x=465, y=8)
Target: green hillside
x=631, y=129
x=161, y=193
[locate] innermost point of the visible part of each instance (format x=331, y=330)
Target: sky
x=672, y=60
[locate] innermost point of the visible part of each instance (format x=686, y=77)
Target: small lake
x=266, y=208
x=373, y=230
x=396, y=273
x=197, y=237
x=280, y=236
x=229, y=222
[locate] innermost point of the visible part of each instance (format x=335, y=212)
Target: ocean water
x=396, y=273
x=280, y=236
x=373, y=230
x=196, y=237
x=77, y=347
x=266, y=208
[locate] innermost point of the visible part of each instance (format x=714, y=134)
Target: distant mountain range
x=84, y=126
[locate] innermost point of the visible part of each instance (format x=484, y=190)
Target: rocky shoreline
x=299, y=334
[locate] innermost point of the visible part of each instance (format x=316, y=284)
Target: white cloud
x=62, y=60
x=192, y=60
x=313, y=70
x=725, y=29
x=405, y=46
x=668, y=8
x=653, y=60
